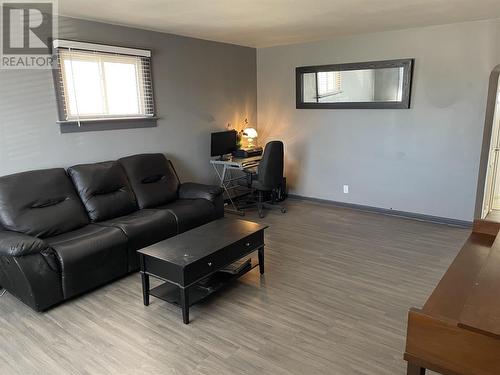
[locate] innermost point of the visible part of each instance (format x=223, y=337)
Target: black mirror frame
x=407, y=64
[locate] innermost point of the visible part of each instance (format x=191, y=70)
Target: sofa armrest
x=191, y=190
x=18, y=244
x=29, y=270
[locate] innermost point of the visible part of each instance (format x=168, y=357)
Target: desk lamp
x=250, y=134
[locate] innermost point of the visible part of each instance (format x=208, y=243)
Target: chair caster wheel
x=283, y=210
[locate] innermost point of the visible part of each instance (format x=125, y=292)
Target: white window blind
x=103, y=82
x=329, y=83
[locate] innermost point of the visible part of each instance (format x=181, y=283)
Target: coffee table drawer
x=223, y=257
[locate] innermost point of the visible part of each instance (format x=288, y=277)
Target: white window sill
x=324, y=95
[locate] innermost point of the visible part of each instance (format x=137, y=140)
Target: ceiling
x=263, y=23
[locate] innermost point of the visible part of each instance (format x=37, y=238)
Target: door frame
x=492, y=168
x=487, y=132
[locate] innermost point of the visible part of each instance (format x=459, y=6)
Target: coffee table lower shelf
x=170, y=293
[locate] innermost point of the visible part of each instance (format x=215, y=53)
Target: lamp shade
x=250, y=133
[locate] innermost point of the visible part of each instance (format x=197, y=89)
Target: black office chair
x=269, y=177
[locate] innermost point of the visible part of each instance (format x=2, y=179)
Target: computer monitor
x=223, y=143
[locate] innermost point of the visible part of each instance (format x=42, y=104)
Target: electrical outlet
x=346, y=189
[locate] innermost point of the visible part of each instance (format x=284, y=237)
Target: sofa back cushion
x=40, y=203
x=153, y=179
x=104, y=190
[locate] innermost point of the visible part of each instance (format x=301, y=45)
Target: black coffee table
x=190, y=263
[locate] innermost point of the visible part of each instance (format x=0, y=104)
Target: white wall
x=422, y=160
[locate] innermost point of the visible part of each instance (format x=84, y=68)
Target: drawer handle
x=210, y=264
x=247, y=244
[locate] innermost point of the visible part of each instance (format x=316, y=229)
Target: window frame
x=71, y=123
x=406, y=64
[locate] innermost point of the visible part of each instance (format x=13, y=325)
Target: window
x=98, y=82
x=329, y=83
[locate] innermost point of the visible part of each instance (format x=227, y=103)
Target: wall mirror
x=376, y=84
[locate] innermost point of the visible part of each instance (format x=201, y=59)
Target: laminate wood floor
x=334, y=300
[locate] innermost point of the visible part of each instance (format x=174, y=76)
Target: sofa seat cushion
x=89, y=257
x=143, y=228
x=40, y=203
x=191, y=213
x=104, y=189
x=153, y=179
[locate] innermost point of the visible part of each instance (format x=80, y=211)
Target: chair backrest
x=271, y=165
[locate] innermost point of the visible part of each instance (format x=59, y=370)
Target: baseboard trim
x=385, y=211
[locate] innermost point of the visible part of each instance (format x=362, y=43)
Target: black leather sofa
x=65, y=233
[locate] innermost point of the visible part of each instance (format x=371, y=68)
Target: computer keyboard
x=250, y=164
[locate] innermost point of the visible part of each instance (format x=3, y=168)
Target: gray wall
x=199, y=86
x=422, y=160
